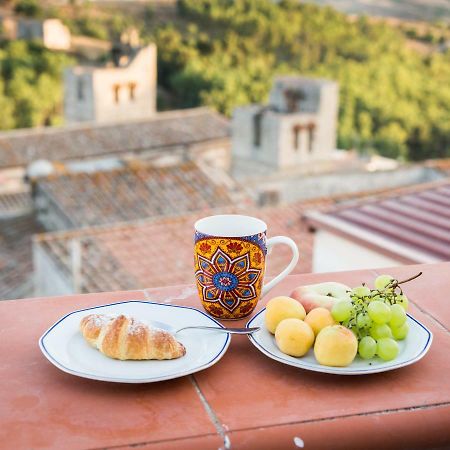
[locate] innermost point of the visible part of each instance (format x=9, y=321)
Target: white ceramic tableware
x=412, y=349
x=64, y=346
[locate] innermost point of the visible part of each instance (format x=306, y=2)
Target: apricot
x=319, y=318
x=280, y=308
x=335, y=346
x=294, y=337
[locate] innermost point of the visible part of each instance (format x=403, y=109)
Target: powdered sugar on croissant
x=123, y=337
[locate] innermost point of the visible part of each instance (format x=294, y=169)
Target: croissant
x=122, y=337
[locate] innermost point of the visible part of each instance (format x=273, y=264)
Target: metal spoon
x=225, y=330
x=171, y=329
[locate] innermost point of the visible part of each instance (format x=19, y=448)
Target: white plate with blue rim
x=411, y=350
x=64, y=346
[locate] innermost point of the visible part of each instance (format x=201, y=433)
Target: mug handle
x=286, y=241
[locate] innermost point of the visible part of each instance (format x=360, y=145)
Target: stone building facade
x=298, y=126
x=125, y=91
x=52, y=32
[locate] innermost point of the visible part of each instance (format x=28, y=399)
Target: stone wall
x=8, y=27
x=297, y=126
x=290, y=189
x=79, y=105
x=139, y=104
x=56, y=35
x=29, y=29
x=48, y=213
x=49, y=280
x=334, y=253
x=112, y=93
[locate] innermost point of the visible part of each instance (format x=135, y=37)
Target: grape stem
x=395, y=283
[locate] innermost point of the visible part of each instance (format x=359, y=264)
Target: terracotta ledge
x=246, y=401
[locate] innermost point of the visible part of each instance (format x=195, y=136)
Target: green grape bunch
x=376, y=316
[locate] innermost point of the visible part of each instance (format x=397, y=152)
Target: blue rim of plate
x=62, y=367
x=335, y=370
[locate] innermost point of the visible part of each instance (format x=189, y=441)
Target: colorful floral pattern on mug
x=229, y=273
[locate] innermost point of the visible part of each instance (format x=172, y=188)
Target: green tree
x=30, y=85
x=7, y=109
x=392, y=99
x=29, y=8
x=225, y=53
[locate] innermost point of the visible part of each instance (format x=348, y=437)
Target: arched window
x=297, y=135
x=293, y=97
x=257, y=119
x=116, y=92
x=311, y=127
x=80, y=88
x=132, y=88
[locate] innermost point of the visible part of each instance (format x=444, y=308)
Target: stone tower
x=298, y=126
x=125, y=90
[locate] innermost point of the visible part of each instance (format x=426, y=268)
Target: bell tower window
x=116, y=93
x=257, y=119
x=132, y=90
x=293, y=98
x=80, y=89
x=311, y=128
x=297, y=130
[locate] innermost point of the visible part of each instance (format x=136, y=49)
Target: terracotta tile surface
x=136, y=192
x=408, y=429
x=15, y=203
x=439, y=164
x=137, y=254
x=75, y=301
x=17, y=225
x=45, y=408
x=286, y=395
x=16, y=258
x=213, y=441
x=117, y=257
x=80, y=141
x=413, y=223
x=126, y=256
x=252, y=402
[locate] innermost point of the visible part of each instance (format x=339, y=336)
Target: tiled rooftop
x=166, y=129
x=159, y=252
x=412, y=223
x=137, y=192
x=16, y=259
x=17, y=225
x=14, y=203
x=442, y=165
x=137, y=255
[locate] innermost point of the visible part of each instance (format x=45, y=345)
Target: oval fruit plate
x=413, y=348
x=64, y=346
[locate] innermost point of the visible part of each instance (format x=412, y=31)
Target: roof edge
x=176, y=113
x=89, y=231
x=371, y=240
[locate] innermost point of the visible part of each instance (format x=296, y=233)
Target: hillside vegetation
x=225, y=53
x=392, y=99
x=30, y=85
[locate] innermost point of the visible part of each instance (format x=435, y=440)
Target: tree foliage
x=29, y=8
x=392, y=99
x=225, y=53
x=106, y=25
x=30, y=85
